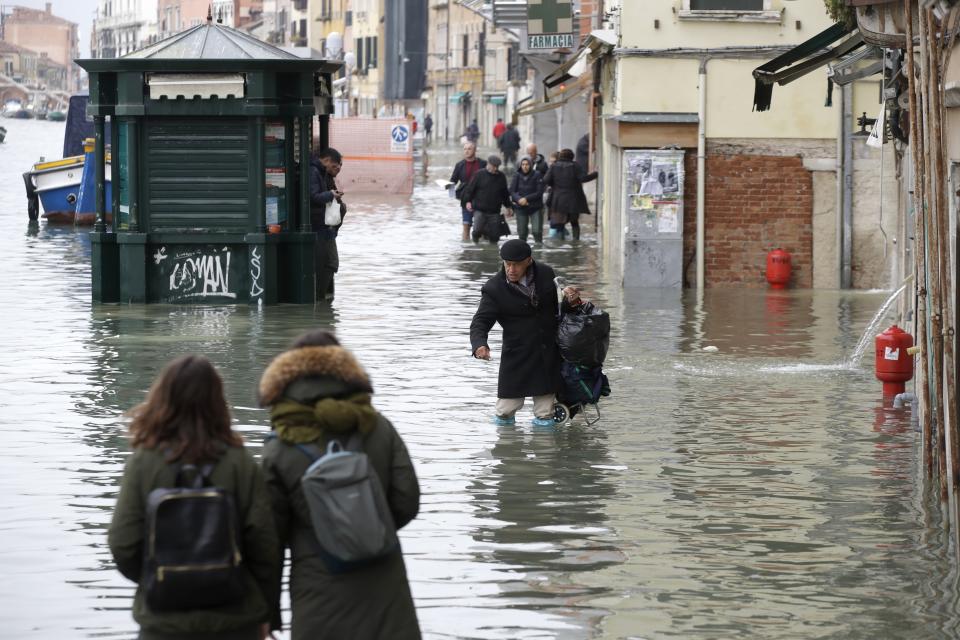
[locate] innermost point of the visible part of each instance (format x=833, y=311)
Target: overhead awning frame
x=801, y=60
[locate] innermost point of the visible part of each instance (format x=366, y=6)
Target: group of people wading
x=484, y=192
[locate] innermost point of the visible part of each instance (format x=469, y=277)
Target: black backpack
x=191, y=553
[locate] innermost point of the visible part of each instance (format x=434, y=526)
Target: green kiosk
x=211, y=144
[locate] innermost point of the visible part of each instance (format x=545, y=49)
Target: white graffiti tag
x=160, y=255
x=256, y=288
x=202, y=275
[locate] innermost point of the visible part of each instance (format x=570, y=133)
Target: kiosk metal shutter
x=199, y=174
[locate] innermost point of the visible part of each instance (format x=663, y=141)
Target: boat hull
x=57, y=184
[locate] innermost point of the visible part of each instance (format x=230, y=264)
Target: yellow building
x=367, y=32
x=678, y=75
x=326, y=17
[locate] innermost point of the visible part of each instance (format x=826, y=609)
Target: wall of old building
x=771, y=176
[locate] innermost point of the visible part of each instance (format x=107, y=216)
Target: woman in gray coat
x=318, y=391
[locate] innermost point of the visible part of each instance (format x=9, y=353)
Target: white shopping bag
x=331, y=214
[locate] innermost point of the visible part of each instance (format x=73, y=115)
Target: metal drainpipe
x=838, y=240
x=701, y=171
x=846, y=275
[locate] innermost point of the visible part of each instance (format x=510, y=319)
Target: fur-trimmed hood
x=311, y=362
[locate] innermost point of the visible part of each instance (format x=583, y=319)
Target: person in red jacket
x=498, y=130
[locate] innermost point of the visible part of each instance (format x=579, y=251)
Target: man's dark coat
x=530, y=362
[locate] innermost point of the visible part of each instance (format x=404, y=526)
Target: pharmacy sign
x=550, y=24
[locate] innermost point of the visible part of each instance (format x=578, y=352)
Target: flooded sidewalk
x=763, y=490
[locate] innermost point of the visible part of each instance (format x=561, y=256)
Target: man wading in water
x=522, y=298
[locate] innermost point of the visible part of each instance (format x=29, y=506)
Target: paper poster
x=274, y=131
x=668, y=221
x=276, y=179
x=666, y=175
x=273, y=209
x=641, y=202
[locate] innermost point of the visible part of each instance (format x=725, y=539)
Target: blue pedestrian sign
x=399, y=138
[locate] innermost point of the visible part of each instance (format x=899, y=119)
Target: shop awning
x=497, y=99
x=800, y=61
x=460, y=96
x=598, y=44
x=558, y=100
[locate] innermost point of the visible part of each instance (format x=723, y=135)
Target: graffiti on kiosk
x=256, y=287
x=198, y=273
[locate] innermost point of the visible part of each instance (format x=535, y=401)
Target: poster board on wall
x=653, y=205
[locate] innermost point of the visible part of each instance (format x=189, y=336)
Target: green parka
x=369, y=603
x=236, y=472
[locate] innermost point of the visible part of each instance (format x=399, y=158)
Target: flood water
x=761, y=491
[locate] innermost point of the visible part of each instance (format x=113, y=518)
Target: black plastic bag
x=504, y=228
x=584, y=335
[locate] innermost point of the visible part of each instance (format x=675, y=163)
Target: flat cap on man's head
x=494, y=160
x=515, y=250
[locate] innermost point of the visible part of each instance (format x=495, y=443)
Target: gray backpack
x=348, y=509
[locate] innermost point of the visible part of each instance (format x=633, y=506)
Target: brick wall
x=754, y=204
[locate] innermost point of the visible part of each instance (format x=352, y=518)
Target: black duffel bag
x=584, y=335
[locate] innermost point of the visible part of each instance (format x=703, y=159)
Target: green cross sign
x=549, y=16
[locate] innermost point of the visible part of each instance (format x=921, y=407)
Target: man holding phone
x=324, y=167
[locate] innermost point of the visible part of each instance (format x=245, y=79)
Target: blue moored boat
x=66, y=187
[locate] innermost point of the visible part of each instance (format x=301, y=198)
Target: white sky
x=80, y=11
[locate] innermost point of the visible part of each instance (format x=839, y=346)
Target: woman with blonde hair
x=181, y=432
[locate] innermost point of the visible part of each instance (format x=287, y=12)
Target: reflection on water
x=762, y=490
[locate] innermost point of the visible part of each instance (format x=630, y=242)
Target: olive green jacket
x=235, y=472
x=372, y=602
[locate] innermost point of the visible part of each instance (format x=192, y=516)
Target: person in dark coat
x=185, y=420
x=510, y=145
x=583, y=152
x=323, y=190
x=539, y=162
x=463, y=173
x=522, y=298
x=526, y=191
x=473, y=132
x=317, y=391
x=567, y=199
x=428, y=129
x=484, y=196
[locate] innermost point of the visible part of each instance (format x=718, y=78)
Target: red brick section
x=754, y=204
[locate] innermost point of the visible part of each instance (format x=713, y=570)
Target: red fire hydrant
x=894, y=366
x=778, y=268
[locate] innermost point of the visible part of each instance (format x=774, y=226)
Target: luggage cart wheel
x=561, y=413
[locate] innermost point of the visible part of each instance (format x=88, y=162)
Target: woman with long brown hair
x=183, y=428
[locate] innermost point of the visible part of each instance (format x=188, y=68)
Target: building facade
x=769, y=179
x=49, y=35
x=18, y=63
x=473, y=70
x=122, y=26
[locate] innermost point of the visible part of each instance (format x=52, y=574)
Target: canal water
x=762, y=490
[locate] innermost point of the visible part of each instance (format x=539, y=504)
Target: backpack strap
x=201, y=475
x=312, y=451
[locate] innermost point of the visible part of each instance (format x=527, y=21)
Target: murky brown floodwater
x=760, y=491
